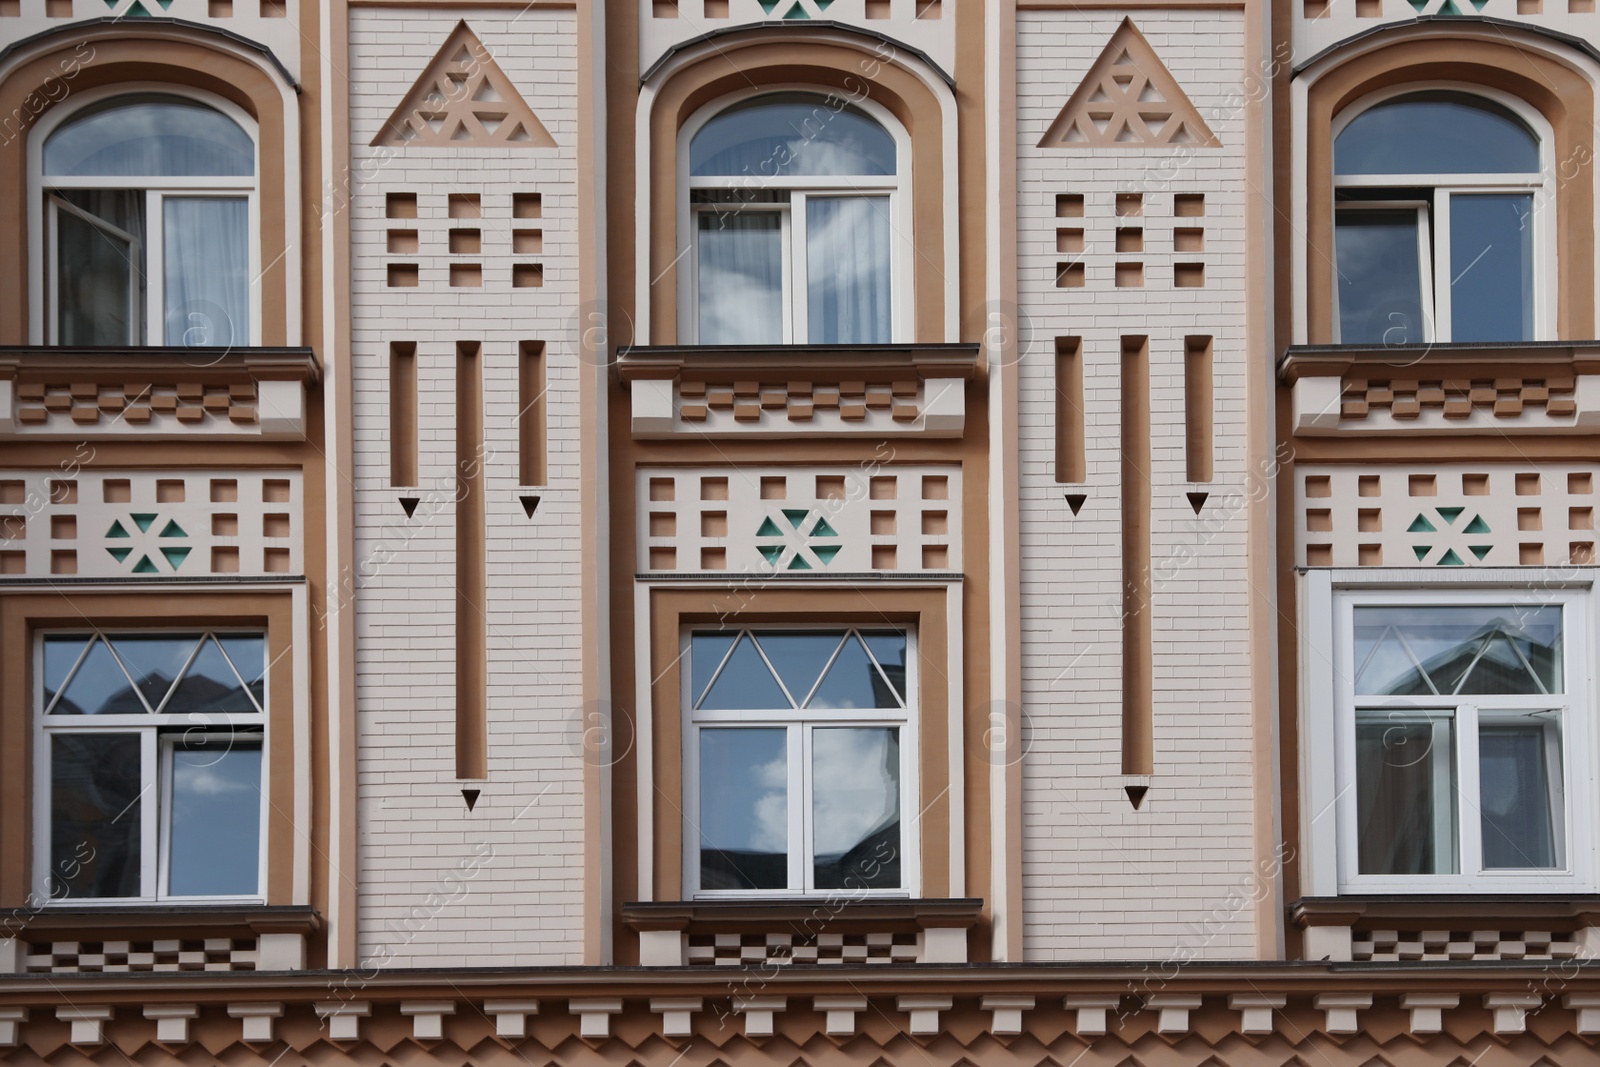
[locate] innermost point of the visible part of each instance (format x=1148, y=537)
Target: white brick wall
x=1100, y=880
x=438, y=886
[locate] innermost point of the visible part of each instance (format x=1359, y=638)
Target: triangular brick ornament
x=1129, y=100
x=464, y=100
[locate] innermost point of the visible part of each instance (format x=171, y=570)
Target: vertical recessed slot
x=1069, y=410
x=530, y=413
x=402, y=413
x=1138, y=722
x=472, y=754
x=1197, y=402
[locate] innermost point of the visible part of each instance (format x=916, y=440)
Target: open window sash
x=100, y=246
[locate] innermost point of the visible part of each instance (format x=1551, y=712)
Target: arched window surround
x=1545, y=214
x=900, y=192
x=41, y=321
x=1547, y=75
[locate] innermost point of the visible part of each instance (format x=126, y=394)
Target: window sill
x=782, y=391
x=803, y=930
x=179, y=393
x=1458, y=926
x=1508, y=387
x=106, y=938
x=156, y=920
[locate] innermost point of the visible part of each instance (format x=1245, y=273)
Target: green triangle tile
x=1420, y=524
x=796, y=516
x=164, y=4
x=1419, y=5
x=823, y=5
x=144, y=522
x=797, y=12
x=1478, y=5
x=826, y=552
x=1477, y=525
x=1450, y=559
x=172, y=529
x=822, y=529
x=144, y=566
x=1450, y=515
x=771, y=552
x=1421, y=551
x=799, y=563
x=120, y=554
x=1480, y=551
x=768, y=5
x=118, y=530
x=175, y=556
x=769, y=529
x=112, y=4
x=137, y=11
x=1448, y=8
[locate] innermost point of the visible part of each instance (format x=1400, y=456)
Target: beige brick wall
x=1100, y=880
x=438, y=886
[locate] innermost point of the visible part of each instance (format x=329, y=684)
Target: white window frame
x=1328, y=713
x=157, y=734
x=897, y=187
x=800, y=723
x=42, y=210
x=1435, y=248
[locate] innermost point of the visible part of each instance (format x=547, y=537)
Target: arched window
x=1438, y=196
x=793, y=200
x=148, y=205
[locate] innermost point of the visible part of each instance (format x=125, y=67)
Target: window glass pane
x=94, y=815
x=1520, y=796
x=207, y=254
x=745, y=683
x=847, y=269
x=155, y=661
x=1380, y=284
x=791, y=134
x=1406, y=793
x=740, y=277
x=100, y=267
x=209, y=686
x=855, y=807
x=744, y=809
x=60, y=653
x=1436, y=133
x=98, y=687
x=1468, y=649
x=800, y=657
x=853, y=682
x=150, y=135
x=1491, y=267
x=706, y=652
x=889, y=649
x=248, y=652
x=216, y=816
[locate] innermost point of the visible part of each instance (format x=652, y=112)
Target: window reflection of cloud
x=854, y=791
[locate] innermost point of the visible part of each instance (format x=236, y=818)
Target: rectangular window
x=1458, y=731
x=799, y=780
x=152, y=765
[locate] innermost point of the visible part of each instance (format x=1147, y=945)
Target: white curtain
x=847, y=269
x=741, y=278
x=207, y=271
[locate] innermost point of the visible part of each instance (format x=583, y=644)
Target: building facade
x=722, y=532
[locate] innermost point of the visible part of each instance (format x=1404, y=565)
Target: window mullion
x=1469, y=814
x=151, y=807
x=155, y=276
x=1439, y=270
x=801, y=867
x=795, y=260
